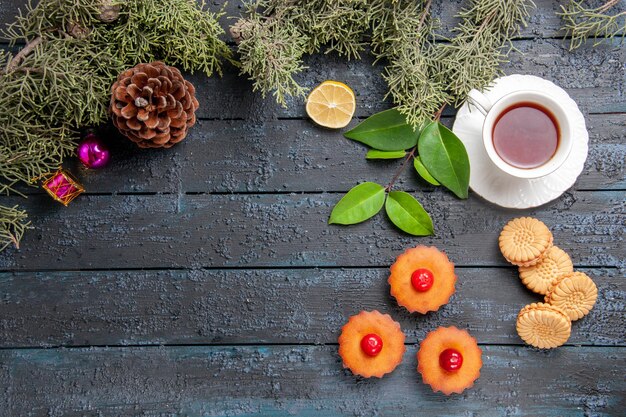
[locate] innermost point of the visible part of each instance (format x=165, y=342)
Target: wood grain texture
x=192, y=231
x=243, y=279
x=295, y=156
x=268, y=306
x=300, y=380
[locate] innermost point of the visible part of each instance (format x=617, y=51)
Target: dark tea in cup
x=526, y=135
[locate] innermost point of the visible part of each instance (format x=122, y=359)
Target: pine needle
x=59, y=83
x=13, y=224
x=422, y=74
x=273, y=56
x=473, y=58
x=582, y=23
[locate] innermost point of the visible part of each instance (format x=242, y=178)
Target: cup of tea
x=527, y=134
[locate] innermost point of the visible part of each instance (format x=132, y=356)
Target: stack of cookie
x=547, y=270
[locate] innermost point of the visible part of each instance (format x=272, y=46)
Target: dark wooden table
x=204, y=279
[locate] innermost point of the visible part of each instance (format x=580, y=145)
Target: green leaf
x=423, y=172
x=376, y=154
x=359, y=204
x=445, y=157
x=385, y=131
x=408, y=214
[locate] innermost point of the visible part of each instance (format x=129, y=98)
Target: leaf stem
x=439, y=112
x=410, y=155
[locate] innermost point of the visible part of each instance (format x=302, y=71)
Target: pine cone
x=153, y=105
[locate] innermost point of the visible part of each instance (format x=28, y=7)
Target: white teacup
x=493, y=110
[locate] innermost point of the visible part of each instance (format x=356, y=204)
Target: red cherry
x=371, y=344
x=451, y=360
x=422, y=279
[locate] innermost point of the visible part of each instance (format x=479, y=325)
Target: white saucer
x=495, y=186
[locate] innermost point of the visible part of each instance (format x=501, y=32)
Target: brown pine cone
x=153, y=105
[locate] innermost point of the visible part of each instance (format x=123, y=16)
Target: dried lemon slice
x=331, y=104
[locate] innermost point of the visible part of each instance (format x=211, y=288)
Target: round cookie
x=524, y=241
x=543, y=325
x=574, y=293
x=371, y=344
x=538, y=277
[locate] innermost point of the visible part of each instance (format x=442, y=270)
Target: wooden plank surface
x=218, y=252
x=303, y=381
x=295, y=156
x=267, y=306
x=594, y=77
x=265, y=154
x=289, y=230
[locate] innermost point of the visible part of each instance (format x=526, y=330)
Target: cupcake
x=422, y=279
x=449, y=360
x=371, y=344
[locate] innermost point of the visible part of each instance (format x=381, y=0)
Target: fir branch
x=271, y=55
x=21, y=55
x=403, y=35
x=182, y=33
x=273, y=36
x=582, y=23
x=52, y=15
x=473, y=58
x=422, y=74
x=58, y=84
x=340, y=25
x=13, y=224
x=60, y=81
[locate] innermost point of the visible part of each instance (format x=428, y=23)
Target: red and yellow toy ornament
x=62, y=186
